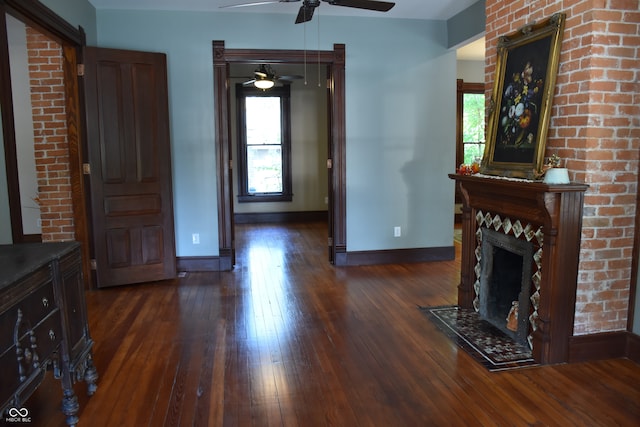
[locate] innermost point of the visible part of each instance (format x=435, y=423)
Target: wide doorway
x=333, y=64
x=280, y=145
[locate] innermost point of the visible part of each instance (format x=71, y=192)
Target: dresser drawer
x=47, y=335
x=42, y=322
x=39, y=304
x=35, y=307
x=38, y=346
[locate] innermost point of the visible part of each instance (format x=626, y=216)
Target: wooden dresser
x=43, y=325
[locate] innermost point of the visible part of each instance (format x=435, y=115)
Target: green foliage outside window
x=264, y=139
x=473, y=133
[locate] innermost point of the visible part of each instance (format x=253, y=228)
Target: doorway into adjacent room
x=279, y=154
x=331, y=66
x=470, y=114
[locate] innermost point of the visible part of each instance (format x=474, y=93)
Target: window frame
x=284, y=93
x=462, y=89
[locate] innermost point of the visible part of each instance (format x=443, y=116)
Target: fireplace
x=533, y=228
x=505, y=283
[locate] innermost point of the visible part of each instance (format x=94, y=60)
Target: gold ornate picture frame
x=520, y=105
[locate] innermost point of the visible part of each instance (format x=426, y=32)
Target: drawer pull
x=45, y=302
x=52, y=335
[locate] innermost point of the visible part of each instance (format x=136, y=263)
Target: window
x=470, y=124
x=264, y=144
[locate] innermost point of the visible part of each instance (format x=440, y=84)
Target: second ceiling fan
x=265, y=78
x=309, y=6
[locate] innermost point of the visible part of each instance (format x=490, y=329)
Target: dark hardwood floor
x=286, y=339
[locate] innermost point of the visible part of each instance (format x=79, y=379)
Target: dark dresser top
x=18, y=261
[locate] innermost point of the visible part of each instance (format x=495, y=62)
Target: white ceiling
x=411, y=9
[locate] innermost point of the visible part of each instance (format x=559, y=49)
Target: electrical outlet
x=397, y=231
x=195, y=238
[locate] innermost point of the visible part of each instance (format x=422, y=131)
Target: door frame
x=72, y=41
x=335, y=62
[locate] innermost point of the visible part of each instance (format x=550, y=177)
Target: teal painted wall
x=400, y=113
x=77, y=13
x=466, y=25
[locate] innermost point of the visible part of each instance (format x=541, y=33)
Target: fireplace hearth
x=505, y=283
x=548, y=217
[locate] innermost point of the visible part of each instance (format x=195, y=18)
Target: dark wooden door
x=130, y=159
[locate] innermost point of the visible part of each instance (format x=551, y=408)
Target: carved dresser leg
x=90, y=376
x=70, y=406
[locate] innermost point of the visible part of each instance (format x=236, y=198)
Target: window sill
x=265, y=197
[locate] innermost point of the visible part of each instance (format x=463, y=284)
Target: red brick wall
x=50, y=137
x=595, y=126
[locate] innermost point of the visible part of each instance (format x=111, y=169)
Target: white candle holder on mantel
x=553, y=173
x=556, y=176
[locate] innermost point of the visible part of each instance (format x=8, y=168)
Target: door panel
x=130, y=157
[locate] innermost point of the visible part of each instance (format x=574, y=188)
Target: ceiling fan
x=265, y=78
x=308, y=6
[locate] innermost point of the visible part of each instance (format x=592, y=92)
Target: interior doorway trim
x=72, y=40
x=335, y=62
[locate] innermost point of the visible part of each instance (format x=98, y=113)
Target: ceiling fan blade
x=289, y=78
x=305, y=13
x=249, y=82
x=380, y=6
x=256, y=3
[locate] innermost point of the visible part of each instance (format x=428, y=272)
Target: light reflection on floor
x=264, y=313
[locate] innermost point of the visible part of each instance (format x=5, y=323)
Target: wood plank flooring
x=286, y=339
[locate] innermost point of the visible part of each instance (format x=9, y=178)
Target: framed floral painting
x=520, y=105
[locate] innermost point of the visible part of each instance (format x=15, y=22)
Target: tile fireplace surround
x=550, y=215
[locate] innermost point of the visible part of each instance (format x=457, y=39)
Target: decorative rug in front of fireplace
x=480, y=339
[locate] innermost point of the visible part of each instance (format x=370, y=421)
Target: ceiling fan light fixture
x=264, y=84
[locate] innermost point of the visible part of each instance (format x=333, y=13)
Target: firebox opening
x=505, y=283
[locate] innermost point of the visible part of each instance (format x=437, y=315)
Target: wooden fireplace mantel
x=558, y=209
